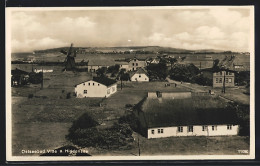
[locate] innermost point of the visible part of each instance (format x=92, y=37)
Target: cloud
x=214, y=28
x=38, y=44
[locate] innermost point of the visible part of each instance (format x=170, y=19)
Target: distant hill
x=137, y=49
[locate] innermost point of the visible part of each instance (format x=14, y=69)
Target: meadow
x=41, y=122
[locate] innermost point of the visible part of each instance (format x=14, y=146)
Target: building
x=179, y=117
x=139, y=76
x=223, y=78
x=94, y=64
x=135, y=63
x=97, y=87
x=19, y=77
x=155, y=60
x=122, y=64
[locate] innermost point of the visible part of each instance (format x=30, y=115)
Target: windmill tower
x=70, y=59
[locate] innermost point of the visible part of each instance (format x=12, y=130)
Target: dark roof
x=213, y=70
x=104, y=80
x=18, y=72
x=169, y=114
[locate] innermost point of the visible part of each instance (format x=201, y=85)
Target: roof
x=213, y=70
x=121, y=62
x=139, y=71
x=101, y=61
x=104, y=80
x=139, y=59
x=184, y=112
x=18, y=72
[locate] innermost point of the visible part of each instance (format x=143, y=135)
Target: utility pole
x=42, y=79
x=224, y=81
x=121, y=83
x=139, y=151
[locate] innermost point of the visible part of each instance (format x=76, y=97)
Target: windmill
x=70, y=59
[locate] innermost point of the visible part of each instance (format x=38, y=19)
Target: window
x=214, y=128
x=85, y=91
x=229, y=127
x=88, y=84
x=84, y=84
x=93, y=83
x=133, y=68
x=226, y=80
x=204, y=128
x=230, y=80
x=160, y=131
x=226, y=72
x=220, y=73
x=136, y=64
x=108, y=91
x=152, y=131
x=139, y=75
x=180, y=129
x=220, y=80
x=113, y=89
x=98, y=84
x=133, y=64
x=190, y=128
x=216, y=80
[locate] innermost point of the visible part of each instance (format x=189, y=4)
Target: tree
x=101, y=71
x=185, y=73
x=113, y=69
x=157, y=71
x=172, y=61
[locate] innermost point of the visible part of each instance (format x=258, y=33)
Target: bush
x=68, y=96
x=83, y=122
x=112, y=138
x=131, y=120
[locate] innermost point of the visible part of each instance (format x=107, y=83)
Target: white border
x=9, y=156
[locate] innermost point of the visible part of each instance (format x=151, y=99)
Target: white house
x=97, y=87
x=193, y=130
x=139, y=76
x=179, y=117
x=122, y=64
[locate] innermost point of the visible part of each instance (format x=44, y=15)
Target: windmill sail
x=70, y=59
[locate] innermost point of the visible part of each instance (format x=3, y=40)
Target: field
x=42, y=121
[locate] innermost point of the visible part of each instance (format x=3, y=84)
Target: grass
x=38, y=136
x=228, y=145
x=43, y=123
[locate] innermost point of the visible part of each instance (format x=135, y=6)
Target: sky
x=207, y=28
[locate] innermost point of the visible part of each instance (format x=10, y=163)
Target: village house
x=95, y=64
x=139, y=76
x=135, y=63
x=122, y=65
x=223, y=78
x=19, y=77
x=155, y=60
x=97, y=87
x=174, y=118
